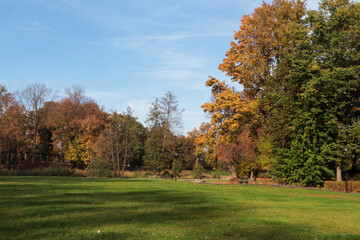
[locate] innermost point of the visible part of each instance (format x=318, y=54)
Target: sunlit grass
x=80, y=208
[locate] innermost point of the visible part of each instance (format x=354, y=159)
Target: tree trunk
x=124, y=162
x=253, y=175
x=125, y=156
x=17, y=149
x=113, y=160
x=34, y=147
x=12, y=160
x=233, y=170
x=163, y=145
x=118, y=165
x=117, y=154
x=8, y=153
x=18, y=157
x=0, y=149
x=112, y=152
x=338, y=174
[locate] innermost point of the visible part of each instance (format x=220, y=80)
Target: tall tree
x=256, y=58
x=14, y=132
x=120, y=142
x=171, y=114
x=164, y=120
x=5, y=98
x=33, y=98
x=325, y=93
x=76, y=127
x=231, y=114
x=304, y=76
x=130, y=137
x=153, y=144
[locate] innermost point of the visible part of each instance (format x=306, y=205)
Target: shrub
x=217, y=173
x=57, y=169
x=98, y=168
x=356, y=177
x=54, y=169
x=197, y=171
x=148, y=174
x=166, y=174
x=138, y=173
x=353, y=186
x=234, y=180
x=25, y=172
x=264, y=175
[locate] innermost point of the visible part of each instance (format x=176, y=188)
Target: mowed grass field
x=85, y=208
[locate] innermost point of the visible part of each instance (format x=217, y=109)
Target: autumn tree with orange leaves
x=76, y=127
x=255, y=58
x=254, y=61
x=231, y=115
x=12, y=128
x=300, y=76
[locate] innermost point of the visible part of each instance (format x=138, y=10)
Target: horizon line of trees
x=36, y=127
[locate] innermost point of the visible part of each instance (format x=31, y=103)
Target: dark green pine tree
x=153, y=158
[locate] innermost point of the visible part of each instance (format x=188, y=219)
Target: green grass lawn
x=77, y=208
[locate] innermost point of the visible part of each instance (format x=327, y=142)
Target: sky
x=124, y=53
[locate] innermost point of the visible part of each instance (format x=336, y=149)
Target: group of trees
x=298, y=110
x=35, y=127
x=297, y=115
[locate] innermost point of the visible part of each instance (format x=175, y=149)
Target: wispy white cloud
x=183, y=60
x=102, y=95
x=182, y=79
x=91, y=11
x=32, y=26
x=139, y=42
x=169, y=37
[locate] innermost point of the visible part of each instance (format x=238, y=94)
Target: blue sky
x=125, y=53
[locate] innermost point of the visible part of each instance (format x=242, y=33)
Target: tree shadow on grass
x=78, y=212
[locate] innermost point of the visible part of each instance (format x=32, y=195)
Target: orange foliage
x=77, y=125
x=262, y=39
x=229, y=111
x=13, y=122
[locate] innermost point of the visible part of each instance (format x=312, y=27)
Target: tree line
x=298, y=113
x=35, y=127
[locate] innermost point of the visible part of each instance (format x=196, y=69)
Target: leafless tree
x=76, y=94
x=33, y=98
x=171, y=115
